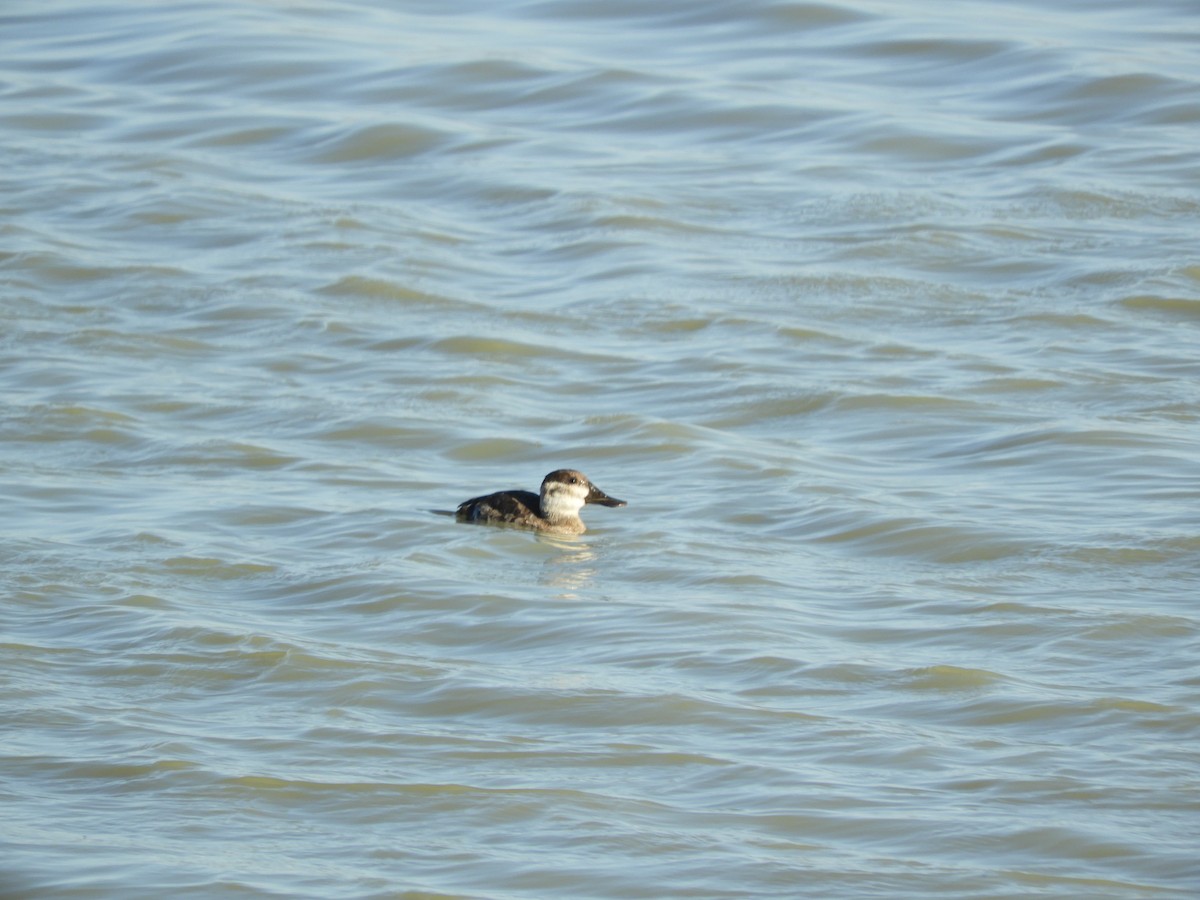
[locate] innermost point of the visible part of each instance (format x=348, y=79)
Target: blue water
x=883, y=317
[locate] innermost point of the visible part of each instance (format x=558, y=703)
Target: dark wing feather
x=503, y=506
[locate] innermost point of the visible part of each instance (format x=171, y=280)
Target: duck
x=553, y=510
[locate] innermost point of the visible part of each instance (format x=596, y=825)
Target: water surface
x=884, y=318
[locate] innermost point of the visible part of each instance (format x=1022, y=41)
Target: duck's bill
x=597, y=496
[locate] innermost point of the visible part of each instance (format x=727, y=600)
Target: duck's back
x=514, y=507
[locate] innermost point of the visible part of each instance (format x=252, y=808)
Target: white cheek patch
x=563, y=500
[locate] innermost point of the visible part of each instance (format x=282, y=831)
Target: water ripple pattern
x=884, y=317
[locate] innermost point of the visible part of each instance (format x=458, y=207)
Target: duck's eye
x=574, y=480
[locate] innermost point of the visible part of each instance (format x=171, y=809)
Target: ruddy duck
x=556, y=510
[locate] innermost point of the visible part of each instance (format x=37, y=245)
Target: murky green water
x=884, y=318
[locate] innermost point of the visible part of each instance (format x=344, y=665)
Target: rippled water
x=884, y=317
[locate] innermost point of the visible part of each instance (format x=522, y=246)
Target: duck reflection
x=573, y=568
